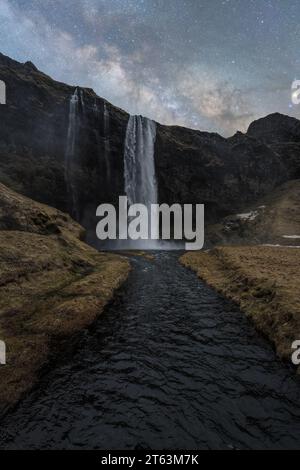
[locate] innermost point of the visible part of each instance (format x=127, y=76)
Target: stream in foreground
x=169, y=365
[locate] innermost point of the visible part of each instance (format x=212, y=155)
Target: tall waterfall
x=70, y=156
x=139, y=164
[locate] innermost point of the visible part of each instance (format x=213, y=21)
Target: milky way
x=210, y=64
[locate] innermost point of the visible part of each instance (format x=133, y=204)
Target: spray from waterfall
x=106, y=141
x=139, y=164
x=70, y=156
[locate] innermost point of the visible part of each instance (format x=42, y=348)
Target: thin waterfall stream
x=106, y=131
x=70, y=155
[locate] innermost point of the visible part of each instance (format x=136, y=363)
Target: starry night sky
x=209, y=64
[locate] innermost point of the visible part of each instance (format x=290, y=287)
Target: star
x=146, y=55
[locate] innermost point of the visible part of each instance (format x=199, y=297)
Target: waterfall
x=106, y=141
x=82, y=102
x=139, y=164
x=70, y=156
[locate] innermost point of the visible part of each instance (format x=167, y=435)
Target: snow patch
x=249, y=216
x=292, y=237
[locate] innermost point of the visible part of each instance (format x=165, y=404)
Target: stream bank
x=263, y=280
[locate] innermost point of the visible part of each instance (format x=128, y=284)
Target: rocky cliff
x=191, y=166
x=224, y=174
x=33, y=139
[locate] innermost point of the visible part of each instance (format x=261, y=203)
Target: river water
x=169, y=365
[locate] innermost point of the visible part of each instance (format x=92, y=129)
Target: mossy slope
x=52, y=285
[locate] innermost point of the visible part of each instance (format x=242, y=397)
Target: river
x=169, y=365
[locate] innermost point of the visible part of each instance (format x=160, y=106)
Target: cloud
x=137, y=79
x=225, y=106
x=104, y=68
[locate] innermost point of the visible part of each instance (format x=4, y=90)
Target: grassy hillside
x=52, y=285
x=274, y=219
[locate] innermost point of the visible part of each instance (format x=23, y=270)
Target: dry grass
x=52, y=285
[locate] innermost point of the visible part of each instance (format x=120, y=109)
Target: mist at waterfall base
x=140, y=183
x=141, y=222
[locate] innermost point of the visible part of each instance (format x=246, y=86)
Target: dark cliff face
x=282, y=135
x=33, y=139
x=191, y=166
x=275, y=128
x=224, y=174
